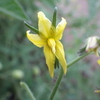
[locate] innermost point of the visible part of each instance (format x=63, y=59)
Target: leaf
x=12, y=8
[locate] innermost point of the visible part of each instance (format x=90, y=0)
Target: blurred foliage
x=20, y=60
x=12, y=8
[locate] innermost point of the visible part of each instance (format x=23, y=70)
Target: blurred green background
x=20, y=60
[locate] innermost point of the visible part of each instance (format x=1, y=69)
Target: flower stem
x=28, y=90
x=53, y=92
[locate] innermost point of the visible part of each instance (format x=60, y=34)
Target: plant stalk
x=53, y=92
x=25, y=86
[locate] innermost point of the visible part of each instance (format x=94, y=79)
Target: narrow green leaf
x=82, y=51
x=31, y=27
x=12, y=8
x=54, y=17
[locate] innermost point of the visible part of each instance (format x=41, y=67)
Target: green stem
x=56, y=85
x=28, y=90
x=53, y=92
x=77, y=59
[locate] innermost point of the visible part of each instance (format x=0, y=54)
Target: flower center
x=51, y=43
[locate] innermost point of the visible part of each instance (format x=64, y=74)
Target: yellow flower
x=48, y=38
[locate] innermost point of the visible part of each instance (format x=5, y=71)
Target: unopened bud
x=18, y=74
x=93, y=44
x=36, y=70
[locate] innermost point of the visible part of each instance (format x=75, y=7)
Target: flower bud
x=93, y=44
x=36, y=70
x=18, y=74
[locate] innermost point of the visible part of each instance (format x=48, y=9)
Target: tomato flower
x=49, y=38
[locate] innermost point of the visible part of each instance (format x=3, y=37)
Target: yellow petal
x=97, y=91
x=51, y=44
x=36, y=39
x=98, y=61
x=60, y=28
x=61, y=56
x=44, y=25
x=50, y=59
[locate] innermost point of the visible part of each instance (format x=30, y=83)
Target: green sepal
x=82, y=51
x=54, y=17
x=31, y=27
x=56, y=63
x=99, y=53
x=98, y=40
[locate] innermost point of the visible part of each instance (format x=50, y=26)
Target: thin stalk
x=53, y=92
x=28, y=90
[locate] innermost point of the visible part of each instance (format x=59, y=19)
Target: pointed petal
x=60, y=28
x=61, y=56
x=51, y=44
x=36, y=39
x=50, y=59
x=44, y=25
